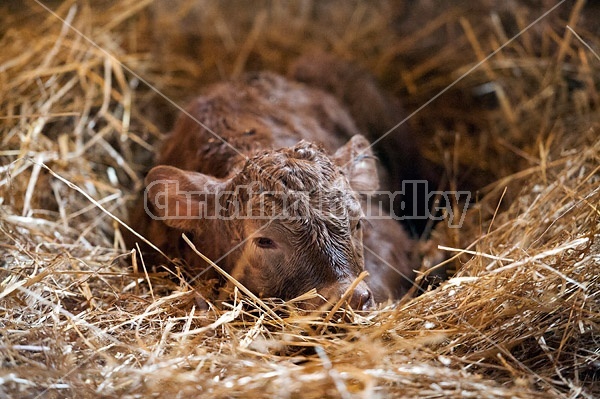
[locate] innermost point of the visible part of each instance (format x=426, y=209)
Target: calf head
x=288, y=221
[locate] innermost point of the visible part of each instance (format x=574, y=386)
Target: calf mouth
x=356, y=297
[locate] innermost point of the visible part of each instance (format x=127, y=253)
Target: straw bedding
x=520, y=317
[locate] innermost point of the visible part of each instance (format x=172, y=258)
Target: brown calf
x=266, y=177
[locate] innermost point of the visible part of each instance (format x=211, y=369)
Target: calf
x=265, y=173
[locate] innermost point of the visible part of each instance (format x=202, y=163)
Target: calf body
x=264, y=175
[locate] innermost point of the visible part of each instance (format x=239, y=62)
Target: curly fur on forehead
x=303, y=167
x=300, y=182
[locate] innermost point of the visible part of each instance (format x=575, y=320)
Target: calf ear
x=358, y=163
x=180, y=198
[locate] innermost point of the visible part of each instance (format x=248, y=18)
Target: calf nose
x=361, y=299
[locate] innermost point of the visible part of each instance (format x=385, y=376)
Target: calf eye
x=264, y=242
x=358, y=225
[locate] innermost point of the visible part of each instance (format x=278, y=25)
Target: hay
x=80, y=318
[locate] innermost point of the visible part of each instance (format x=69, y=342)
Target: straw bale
x=87, y=91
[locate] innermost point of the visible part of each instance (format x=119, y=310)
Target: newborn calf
x=265, y=178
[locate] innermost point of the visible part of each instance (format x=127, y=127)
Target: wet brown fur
x=266, y=127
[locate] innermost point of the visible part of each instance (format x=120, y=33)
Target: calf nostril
x=361, y=299
x=367, y=300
